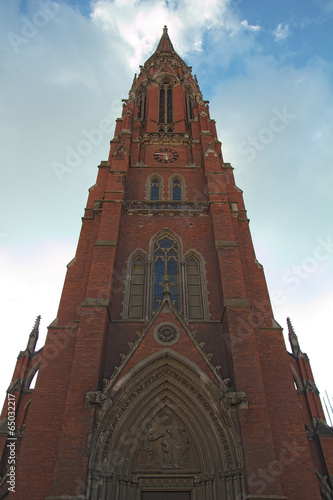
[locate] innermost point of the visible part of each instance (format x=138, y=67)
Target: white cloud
x=281, y=31
x=140, y=23
x=249, y=27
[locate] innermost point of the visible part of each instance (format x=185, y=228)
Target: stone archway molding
x=165, y=422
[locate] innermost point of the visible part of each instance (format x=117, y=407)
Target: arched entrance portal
x=165, y=433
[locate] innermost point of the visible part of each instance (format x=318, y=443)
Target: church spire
x=165, y=44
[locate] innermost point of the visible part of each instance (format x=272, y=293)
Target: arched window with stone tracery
x=135, y=299
x=165, y=109
x=154, y=187
x=165, y=264
x=194, y=288
x=177, y=188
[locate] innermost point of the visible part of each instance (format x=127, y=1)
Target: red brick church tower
x=164, y=375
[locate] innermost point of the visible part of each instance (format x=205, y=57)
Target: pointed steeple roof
x=293, y=339
x=165, y=44
x=164, y=55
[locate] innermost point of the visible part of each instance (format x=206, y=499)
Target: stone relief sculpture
x=165, y=444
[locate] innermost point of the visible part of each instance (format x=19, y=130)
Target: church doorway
x=165, y=434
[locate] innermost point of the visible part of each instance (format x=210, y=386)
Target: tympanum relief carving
x=165, y=445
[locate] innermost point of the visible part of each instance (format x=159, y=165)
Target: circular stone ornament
x=166, y=333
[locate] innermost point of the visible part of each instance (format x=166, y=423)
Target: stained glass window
x=165, y=263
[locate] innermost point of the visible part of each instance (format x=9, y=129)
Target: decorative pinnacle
x=293, y=339
x=166, y=284
x=165, y=29
x=33, y=337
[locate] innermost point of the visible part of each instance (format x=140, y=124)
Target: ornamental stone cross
x=166, y=285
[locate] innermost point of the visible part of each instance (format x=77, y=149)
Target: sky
x=266, y=68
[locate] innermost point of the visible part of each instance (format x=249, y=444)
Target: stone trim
x=160, y=207
x=172, y=138
x=105, y=243
x=152, y=481
x=225, y=244
x=104, y=164
x=237, y=303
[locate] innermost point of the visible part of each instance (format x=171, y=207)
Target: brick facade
x=205, y=407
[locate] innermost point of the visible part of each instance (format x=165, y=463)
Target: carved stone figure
x=150, y=451
x=168, y=460
x=165, y=444
x=236, y=398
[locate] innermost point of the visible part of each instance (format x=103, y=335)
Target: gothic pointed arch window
x=177, y=188
x=196, y=291
x=185, y=273
x=141, y=101
x=135, y=293
x=154, y=187
x=165, y=109
x=166, y=262
x=189, y=104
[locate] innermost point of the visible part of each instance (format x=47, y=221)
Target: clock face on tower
x=165, y=155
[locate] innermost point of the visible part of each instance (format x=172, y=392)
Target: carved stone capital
x=203, y=480
x=237, y=398
x=100, y=475
x=230, y=474
x=129, y=480
x=95, y=398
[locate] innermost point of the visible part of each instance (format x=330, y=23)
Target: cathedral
x=164, y=375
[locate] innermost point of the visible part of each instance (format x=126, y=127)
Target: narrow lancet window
x=155, y=189
x=142, y=106
x=194, y=289
x=165, y=263
x=165, y=103
x=176, y=190
x=136, y=299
